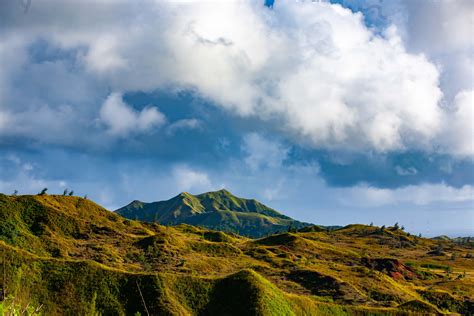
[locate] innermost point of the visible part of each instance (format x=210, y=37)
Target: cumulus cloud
x=314, y=67
x=121, y=119
x=442, y=30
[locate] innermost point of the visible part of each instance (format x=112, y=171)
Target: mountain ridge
x=220, y=210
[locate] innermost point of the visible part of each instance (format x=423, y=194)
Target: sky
x=332, y=112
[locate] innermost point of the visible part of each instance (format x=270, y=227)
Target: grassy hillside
x=218, y=210
x=67, y=255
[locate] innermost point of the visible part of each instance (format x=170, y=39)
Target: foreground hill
x=219, y=210
x=69, y=256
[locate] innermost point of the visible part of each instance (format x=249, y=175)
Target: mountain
x=461, y=240
x=219, y=210
x=442, y=237
x=65, y=255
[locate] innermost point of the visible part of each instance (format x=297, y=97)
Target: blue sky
x=331, y=112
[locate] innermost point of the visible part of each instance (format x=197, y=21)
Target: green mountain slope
x=69, y=256
x=218, y=210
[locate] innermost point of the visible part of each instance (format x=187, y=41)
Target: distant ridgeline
x=219, y=210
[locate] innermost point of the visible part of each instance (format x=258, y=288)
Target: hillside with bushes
x=65, y=255
x=219, y=210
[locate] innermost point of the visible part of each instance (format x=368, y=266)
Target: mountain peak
x=185, y=194
x=219, y=210
x=224, y=191
x=221, y=192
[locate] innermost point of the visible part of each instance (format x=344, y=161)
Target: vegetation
x=65, y=255
x=218, y=210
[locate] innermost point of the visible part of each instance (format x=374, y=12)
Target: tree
x=85, y=197
x=71, y=193
x=43, y=192
x=65, y=192
x=396, y=226
x=402, y=228
x=371, y=224
x=15, y=193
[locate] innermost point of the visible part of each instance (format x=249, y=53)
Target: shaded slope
x=218, y=210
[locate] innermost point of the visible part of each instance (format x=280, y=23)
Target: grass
x=434, y=266
x=71, y=256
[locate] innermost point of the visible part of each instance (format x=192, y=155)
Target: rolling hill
x=65, y=255
x=219, y=210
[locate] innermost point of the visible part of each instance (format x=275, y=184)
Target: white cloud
x=121, y=119
x=314, y=67
x=336, y=88
x=102, y=55
x=189, y=124
x=442, y=30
